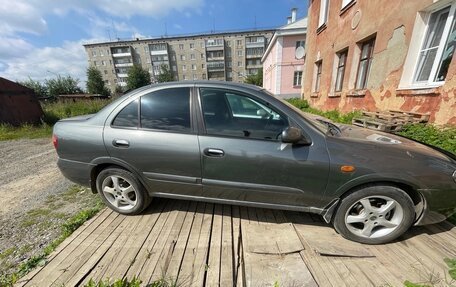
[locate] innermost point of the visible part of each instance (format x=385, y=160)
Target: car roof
x=210, y=83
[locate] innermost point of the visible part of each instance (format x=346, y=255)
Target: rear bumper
x=77, y=172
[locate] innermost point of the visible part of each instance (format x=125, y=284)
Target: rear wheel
x=121, y=191
x=374, y=214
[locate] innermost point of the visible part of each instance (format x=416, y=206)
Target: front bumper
x=438, y=206
x=77, y=172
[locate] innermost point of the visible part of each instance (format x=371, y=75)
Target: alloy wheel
x=119, y=192
x=374, y=216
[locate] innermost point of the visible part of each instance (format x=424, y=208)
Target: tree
x=137, y=77
x=95, y=83
x=165, y=74
x=62, y=86
x=39, y=88
x=256, y=79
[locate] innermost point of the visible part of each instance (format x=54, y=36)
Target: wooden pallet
x=414, y=117
x=379, y=125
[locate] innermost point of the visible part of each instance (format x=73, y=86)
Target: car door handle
x=215, y=152
x=120, y=143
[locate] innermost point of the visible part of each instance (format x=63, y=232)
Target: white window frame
x=345, y=3
x=297, y=79
x=324, y=12
x=421, y=26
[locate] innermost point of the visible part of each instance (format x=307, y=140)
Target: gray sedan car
x=236, y=144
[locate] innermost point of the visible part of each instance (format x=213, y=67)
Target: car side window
x=128, y=116
x=230, y=113
x=167, y=109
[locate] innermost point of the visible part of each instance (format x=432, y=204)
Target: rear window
x=128, y=116
x=167, y=109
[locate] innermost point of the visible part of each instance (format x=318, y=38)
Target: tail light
x=55, y=141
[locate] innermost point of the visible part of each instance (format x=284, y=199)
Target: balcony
x=215, y=66
x=122, y=75
x=254, y=66
x=254, y=44
x=158, y=52
x=251, y=56
x=121, y=54
x=122, y=65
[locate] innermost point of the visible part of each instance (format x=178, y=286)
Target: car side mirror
x=293, y=135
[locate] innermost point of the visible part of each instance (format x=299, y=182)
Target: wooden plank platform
x=203, y=244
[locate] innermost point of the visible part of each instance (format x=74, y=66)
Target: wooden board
x=325, y=241
x=271, y=238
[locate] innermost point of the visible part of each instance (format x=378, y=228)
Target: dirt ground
x=35, y=200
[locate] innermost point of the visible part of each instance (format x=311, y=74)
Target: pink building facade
x=283, y=61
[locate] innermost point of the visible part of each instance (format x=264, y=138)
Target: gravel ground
x=35, y=199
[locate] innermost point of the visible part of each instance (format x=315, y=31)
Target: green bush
x=333, y=115
x=55, y=111
x=444, y=138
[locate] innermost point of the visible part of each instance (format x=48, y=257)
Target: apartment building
x=218, y=56
x=283, y=60
x=382, y=55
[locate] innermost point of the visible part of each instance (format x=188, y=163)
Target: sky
x=40, y=39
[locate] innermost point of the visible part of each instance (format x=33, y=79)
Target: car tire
x=121, y=191
x=374, y=214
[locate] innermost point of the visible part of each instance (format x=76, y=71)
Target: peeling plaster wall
x=392, y=23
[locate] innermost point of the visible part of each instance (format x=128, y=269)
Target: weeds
x=53, y=112
x=66, y=230
x=134, y=282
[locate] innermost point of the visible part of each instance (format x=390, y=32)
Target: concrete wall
x=392, y=23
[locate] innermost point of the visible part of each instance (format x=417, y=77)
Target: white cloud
x=44, y=63
x=13, y=47
x=19, y=16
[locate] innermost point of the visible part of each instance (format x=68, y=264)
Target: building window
x=228, y=53
x=239, y=53
x=239, y=42
x=365, y=61
x=300, y=44
x=184, y=77
x=203, y=76
x=297, y=78
x=181, y=46
x=192, y=46
x=318, y=67
x=324, y=12
x=103, y=63
x=239, y=64
x=202, y=56
x=202, y=44
x=174, y=68
x=184, y=68
x=94, y=53
x=110, y=62
x=202, y=66
x=95, y=63
x=193, y=67
x=437, y=48
x=195, y=77
x=192, y=56
x=229, y=64
x=228, y=43
x=182, y=57
x=342, y=56
x=345, y=3
x=105, y=72
x=146, y=48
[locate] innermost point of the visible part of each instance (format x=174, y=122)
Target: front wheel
x=374, y=214
x=121, y=191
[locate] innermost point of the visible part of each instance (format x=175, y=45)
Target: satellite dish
x=300, y=52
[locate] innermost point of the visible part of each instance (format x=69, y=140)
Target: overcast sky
x=42, y=38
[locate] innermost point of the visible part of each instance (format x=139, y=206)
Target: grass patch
x=8, y=132
x=134, y=282
x=7, y=252
x=53, y=112
x=435, y=279
x=334, y=115
x=66, y=230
